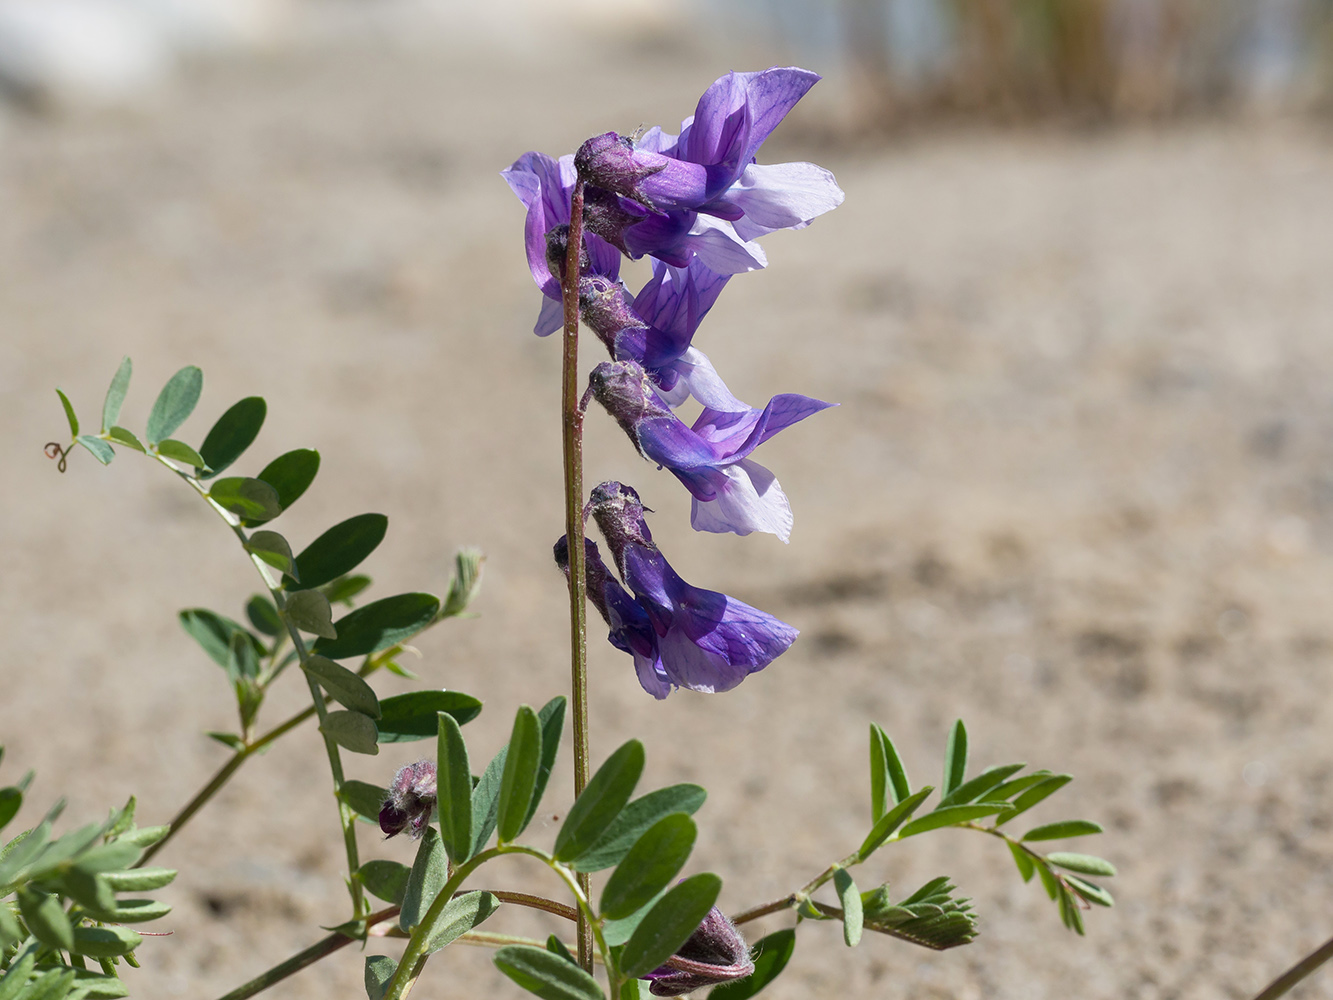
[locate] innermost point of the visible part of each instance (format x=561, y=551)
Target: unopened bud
x=715, y=953
x=411, y=797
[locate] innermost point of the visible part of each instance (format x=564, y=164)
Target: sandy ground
x=1079, y=492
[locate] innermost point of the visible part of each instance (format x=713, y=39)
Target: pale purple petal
x=551, y=317
x=747, y=498
x=695, y=376
x=782, y=196
x=719, y=246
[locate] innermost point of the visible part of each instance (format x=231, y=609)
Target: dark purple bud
x=618, y=512
x=606, y=215
x=557, y=252
x=626, y=391
x=605, y=307
x=610, y=161
x=410, y=799
x=715, y=953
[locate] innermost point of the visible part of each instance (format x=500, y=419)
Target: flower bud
x=626, y=392
x=557, y=252
x=618, y=512
x=411, y=797
x=715, y=953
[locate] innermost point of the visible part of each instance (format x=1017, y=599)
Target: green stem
x=1283, y=983
x=320, y=949
x=222, y=777
x=572, y=437
x=345, y=815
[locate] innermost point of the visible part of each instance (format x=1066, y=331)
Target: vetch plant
x=696, y=203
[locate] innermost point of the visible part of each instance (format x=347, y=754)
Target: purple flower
x=709, y=168
x=715, y=953
x=656, y=328
x=544, y=186
x=707, y=641
x=631, y=630
x=410, y=799
x=731, y=492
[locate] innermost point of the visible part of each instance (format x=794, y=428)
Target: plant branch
x=1283, y=983
x=572, y=437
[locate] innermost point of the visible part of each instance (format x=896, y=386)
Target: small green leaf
x=669, y=924
x=253, y=500
x=69, y=413
x=1067, y=828
x=465, y=584
x=133, y=911
x=53, y=984
x=379, y=625
x=546, y=975
x=1084, y=864
x=181, y=452
x=263, y=615
x=454, y=790
x=636, y=818
x=363, y=798
x=520, y=774
x=430, y=871
x=11, y=799
x=1070, y=911
x=144, y=836
x=234, y=431
x=105, y=942
x=950, y=816
x=309, y=611
x=230, y=740
x=976, y=788
x=485, y=800
x=108, y=857
x=98, y=448
x=115, y=394
x=1023, y=861
x=345, y=687
x=1030, y=797
x=891, y=820
x=601, y=802
x=552, y=719
x=557, y=947
x=291, y=474
x=1048, y=879
x=850, y=896
x=124, y=437
x=89, y=889
x=341, y=549
x=273, y=549
x=379, y=970
x=343, y=589
x=385, y=879
x=649, y=867
x=353, y=730
x=93, y=986
x=174, y=403
x=13, y=981
x=414, y=716
x=955, y=758
x=45, y=918
x=459, y=916
x=139, y=879
x=771, y=955
x=1092, y=893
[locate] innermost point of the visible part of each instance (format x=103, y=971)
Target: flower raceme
x=410, y=800
x=711, y=458
x=699, y=639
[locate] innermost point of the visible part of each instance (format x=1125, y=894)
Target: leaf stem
x=572, y=437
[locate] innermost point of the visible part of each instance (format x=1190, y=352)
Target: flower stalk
x=572, y=437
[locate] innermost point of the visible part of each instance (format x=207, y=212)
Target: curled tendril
x=54, y=449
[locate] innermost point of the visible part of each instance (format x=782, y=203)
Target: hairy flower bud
x=557, y=252
x=411, y=797
x=610, y=161
x=715, y=953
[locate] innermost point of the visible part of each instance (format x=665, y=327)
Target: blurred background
x=1077, y=311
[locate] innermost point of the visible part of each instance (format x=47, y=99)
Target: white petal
x=751, y=500
x=782, y=196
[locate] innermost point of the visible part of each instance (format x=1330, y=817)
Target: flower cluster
x=695, y=203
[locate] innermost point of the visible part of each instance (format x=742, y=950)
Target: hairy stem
x=572, y=437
